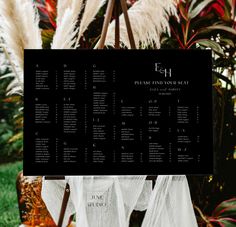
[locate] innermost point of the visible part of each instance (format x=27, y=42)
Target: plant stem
x=201, y=214
x=177, y=37
x=186, y=32
x=192, y=37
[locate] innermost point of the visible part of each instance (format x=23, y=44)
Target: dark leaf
x=226, y=209
x=218, y=27
x=212, y=44
x=195, y=11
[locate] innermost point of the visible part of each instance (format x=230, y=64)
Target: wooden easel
x=64, y=200
x=113, y=8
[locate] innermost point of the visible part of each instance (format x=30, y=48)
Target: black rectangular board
x=112, y=112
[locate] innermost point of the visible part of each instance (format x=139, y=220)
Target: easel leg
x=64, y=205
x=114, y=5
x=117, y=25
x=128, y=25
x=106, y=23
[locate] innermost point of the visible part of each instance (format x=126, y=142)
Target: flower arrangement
x=33, y=211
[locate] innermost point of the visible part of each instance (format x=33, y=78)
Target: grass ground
x=9, y=212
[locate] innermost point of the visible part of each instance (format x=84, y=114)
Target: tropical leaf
x=47, y=37
x=195, y=11
x=192, y=3
x=12, y=99
x=183, y=11
x=227, y=42
x=218, y=27
x=224, y=214
x=16, y=137
x=48, y=12
x=226, y=209
x=212, y=44
x=223, y=222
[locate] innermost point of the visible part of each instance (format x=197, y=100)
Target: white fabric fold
x=52, y=195
x=105, y=201
x=170, y=204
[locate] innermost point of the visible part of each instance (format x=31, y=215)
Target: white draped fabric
x=105, y=201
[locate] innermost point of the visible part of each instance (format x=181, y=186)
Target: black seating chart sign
x=111, y=112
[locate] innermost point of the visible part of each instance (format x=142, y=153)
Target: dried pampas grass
x=16, y=85
x=19, y=21
x=19, y=29
x=66, y=31
x=62, y=6
x=91, y=9
x=149, y=19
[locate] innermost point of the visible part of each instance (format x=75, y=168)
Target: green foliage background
x=10, y=144
x=9, y=213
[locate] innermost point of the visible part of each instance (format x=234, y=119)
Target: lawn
x=9, y=212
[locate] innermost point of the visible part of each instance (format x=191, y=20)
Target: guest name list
x=92, y=112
